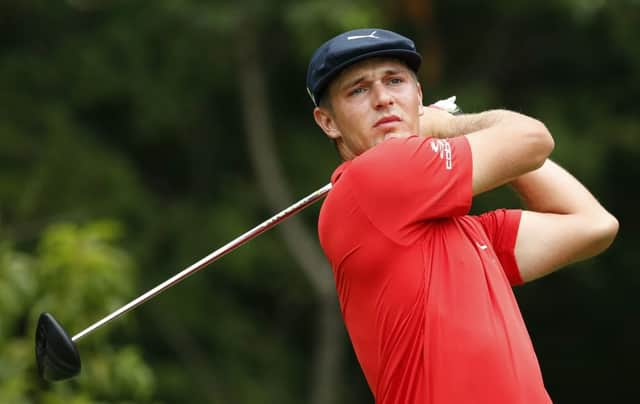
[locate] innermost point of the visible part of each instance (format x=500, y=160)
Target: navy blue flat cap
x=353, y=46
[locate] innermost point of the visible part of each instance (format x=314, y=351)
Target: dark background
x=136, y=137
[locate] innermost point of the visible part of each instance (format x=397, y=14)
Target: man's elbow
x=541, y=142
x=604, y=231
x=535, y=142
x=610, y=230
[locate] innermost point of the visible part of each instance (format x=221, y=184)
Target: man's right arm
x=504, y=144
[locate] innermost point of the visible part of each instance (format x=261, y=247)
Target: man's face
x=371, y=101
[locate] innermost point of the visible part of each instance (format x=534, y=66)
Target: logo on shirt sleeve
x=442, y=147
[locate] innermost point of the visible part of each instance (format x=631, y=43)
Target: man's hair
x=325, y=102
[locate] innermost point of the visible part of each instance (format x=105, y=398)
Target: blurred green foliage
x=77, y=273
x=131, y=111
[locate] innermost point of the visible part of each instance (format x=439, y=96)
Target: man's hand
x=435, y=122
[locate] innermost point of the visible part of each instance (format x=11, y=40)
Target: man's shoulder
x=387, y=154
x=337, y=173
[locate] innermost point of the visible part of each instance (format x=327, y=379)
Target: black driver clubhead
x=56, y=354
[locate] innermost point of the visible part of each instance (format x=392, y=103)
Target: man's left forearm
x=552, y=189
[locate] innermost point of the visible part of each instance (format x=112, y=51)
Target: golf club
x=56, y=353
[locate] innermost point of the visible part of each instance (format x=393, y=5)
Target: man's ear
x=326, y=122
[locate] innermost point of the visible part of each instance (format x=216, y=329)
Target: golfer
x=425, y=289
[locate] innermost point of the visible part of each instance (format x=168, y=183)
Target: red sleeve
x=403, y=182
x=501, y=227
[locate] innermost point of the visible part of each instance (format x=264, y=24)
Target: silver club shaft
x=230, y=246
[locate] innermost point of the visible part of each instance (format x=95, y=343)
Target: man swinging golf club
x=425, y=288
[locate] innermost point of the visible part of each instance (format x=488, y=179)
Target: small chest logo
x=481, y=246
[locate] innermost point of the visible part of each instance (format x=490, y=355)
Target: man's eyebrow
x=392, y=71
x=354, y=82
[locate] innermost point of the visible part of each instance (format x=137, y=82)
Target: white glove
x=448, y=105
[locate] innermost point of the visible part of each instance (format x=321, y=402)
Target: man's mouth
x=387, y=120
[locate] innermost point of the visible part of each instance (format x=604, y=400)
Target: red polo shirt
x=424, y=288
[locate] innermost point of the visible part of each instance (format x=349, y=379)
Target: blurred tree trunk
x=330, y=337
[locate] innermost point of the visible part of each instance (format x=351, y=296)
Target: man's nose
x=382, y=98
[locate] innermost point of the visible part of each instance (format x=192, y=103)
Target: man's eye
x=395, y=80
x=357, y=91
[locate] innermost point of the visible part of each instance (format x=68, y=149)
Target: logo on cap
x=371, y=35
